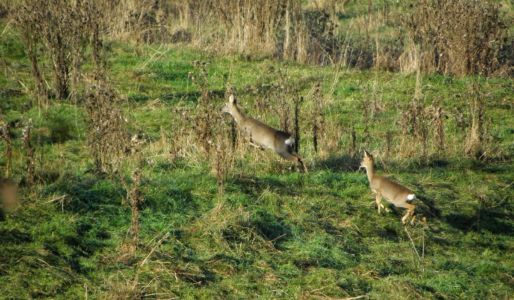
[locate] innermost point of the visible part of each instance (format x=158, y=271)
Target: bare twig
x=413, y=245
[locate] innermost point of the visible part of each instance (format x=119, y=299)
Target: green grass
x=274, y=233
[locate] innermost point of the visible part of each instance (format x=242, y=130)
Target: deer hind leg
x=413, y=220
x=410, y=213
x=295, y=158
x=378, y=201
x=301, y=164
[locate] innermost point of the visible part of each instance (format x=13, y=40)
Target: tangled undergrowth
x=187, y=209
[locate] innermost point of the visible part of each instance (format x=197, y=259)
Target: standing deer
x=262, y=135
x=393, y=192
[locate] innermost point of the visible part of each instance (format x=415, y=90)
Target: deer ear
x=366, y=153
x=232, y=99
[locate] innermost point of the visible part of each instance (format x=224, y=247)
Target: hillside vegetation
x=136, y=186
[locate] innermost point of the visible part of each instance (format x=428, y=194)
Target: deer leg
x=378, y=201
x=255, y=145
x=410, y=212
x=295, y=158
x=300, y=163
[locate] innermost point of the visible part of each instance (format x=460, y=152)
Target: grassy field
x=273, y=232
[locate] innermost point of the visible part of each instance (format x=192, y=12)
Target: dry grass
x=108, y=138
x=64, y=29
x=30, y=165
x=458, y=37
x=239, y=222
x=5, y=135
x=475, y=137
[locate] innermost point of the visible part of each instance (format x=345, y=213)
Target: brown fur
x=392, y=191
x=262, y=135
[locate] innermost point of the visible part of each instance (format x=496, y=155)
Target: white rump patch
x=290, y=141
x=411, y=197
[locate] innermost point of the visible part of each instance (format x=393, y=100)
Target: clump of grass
x=475, y=137
x=224, y=160
x=58, y=123
x=134, y=199
x=353, y=142
x=282, y=96
x=107, y=136
x=415, y=122
x=366, y=120
x=438, y=116
x=414, y=134
x=388, y=144
x=204, y=117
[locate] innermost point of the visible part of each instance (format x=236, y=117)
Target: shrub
x=63, y=29
x=107, y=136
x=458, y=37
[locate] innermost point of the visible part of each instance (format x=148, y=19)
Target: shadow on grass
x=493, y=166
x=409, y=165
x=191, y=269
x=339, y=163
x=270, y=227
x=427, y=207
x=267, y=226
x=190, y=97
x=484, y=219
x=14, y=236
x=389, y=233
x=188, y=267
x=86, y=193
x=254, y=186
x=171, y=200
x=202, y=278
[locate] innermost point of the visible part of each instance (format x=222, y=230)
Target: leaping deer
x=394, y=192
x=262, y=135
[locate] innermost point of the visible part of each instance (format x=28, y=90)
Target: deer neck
x=238, y=115
x=370, y=171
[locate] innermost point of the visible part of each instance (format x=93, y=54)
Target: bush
x=458, y=37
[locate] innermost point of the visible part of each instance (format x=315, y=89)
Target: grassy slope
x=275, y=233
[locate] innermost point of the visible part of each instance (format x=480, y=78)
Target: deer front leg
x=378, y=201
x=256, y=146
x=250, y=141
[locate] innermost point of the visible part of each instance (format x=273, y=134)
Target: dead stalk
x=29, y=153
x=5, y=135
